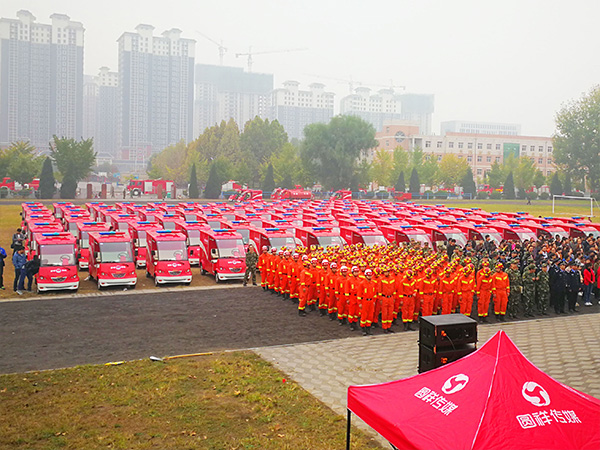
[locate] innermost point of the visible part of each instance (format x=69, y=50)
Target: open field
x=222, y=401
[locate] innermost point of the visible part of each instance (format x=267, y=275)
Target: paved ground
x=565, y=347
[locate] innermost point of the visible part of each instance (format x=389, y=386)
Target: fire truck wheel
x=148, y=274
x=202, y=271
x=217, y=280
x=99, y=286
x=156, y=283
x=136, y=192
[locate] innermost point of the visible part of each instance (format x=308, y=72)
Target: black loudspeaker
x=445, y=338
x=448, y=330
x=431, y=358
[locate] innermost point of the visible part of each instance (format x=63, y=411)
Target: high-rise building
x=387, y=106
x=156, y=91
x=41, y=79
x=224, y=93
x=294, y=109
x=101, y=112
x=474, y=127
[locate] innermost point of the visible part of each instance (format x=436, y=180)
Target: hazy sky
x=503, y=61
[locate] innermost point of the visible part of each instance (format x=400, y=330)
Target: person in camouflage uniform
x=542, y=289
x=516, y=287
x=251, y=261
x=529, y=290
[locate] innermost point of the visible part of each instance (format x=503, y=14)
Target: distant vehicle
x=8, y=184
x=291, y=194
x=137, y=187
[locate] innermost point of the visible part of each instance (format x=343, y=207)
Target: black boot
x=364, y=331
x=301, y=313
x=485, y=319
x=375, y=325
x=369, y=331
x=322, y=312
x=502, y=318
x=408, y=327
x=332, y=316
x=353, y=326
x=405, y=326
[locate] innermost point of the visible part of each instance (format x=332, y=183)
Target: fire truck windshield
x=523, y=235
x=194, y=236
x=141, y=238
x=172, y=251
x=422, y=238
x=168, y=225
x=114, y=252
x=330, y=241
x=370, y=241
x=85, y=240
x=245, y=234
x=279, y=242
x=57, y=255
x=231, y=248
x=461, y=240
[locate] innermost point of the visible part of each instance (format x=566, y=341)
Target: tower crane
x=222, y=49
x=352, y=83
x=250, y=53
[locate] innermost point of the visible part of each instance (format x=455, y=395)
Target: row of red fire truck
x=112, y=240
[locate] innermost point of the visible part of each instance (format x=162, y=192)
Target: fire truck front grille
x=118, y=275
x=174, y=272
x=59, y=279
x=236, y=269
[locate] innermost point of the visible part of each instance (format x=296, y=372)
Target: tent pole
x=348, y=424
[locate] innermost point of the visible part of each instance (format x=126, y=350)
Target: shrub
x=532, y=195
x=482, y=195
x=521, y=194
x=370, y=194
x=496, y=195
x=441, y=195
x=544, y=196
x=382, y=194
x=427, y=194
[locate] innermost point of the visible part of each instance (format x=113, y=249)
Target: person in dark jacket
x=2, y=258
x=573, y=285
x=31, y=268
x=558, y=287
x=19, y=259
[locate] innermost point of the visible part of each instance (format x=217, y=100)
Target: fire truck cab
x=222, y=254
x=363, y=234
x=167, y=257
x=320, y=236
x=111, y=259
x=72, y=220
x=40, y=227
x=120, y=222
x=83, y=240
x=138, y=232
x=273, y=237
x=405, y=233
x=58, y=269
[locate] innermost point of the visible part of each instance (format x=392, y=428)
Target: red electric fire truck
x=363, y=234
x=83, y=240
x=58, y=269
x=167, y=257
x=111, y=259
x=138, y=234
x=222, y=254
x=320, y=236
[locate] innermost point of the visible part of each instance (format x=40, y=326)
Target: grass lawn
x=223, y=401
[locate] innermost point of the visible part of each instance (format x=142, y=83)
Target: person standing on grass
x=19, y=259
x=2, y=258
x=18, y=240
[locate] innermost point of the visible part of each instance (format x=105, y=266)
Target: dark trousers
x=29, y=276
x=557, y=301
x=17, y=278
x=587, y=292
x=2, y=275
x=250, y=272
x=572, y=299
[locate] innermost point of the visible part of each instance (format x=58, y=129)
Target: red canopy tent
x=493, y=398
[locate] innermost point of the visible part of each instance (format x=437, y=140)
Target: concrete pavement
x=566, y=348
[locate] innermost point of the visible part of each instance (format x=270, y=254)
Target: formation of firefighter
x=365, y=286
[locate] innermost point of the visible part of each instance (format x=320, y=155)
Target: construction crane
x=222, y=49
x=250, y=53
x=352, y=83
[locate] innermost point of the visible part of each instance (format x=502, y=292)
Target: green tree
x=74, y=159
x=509, y=187
x=414, y=186
x=382, y=167
x=259, y=141
x=287, y=182
x=269, y=181
x=213, y=185
x=468, y=184
x=401, y=162
x=286, y=164
x=428, y=171
x=400, y=183
x=331, y=151
x=20, y=162
x=47, y=181
x=171, y=164
x=193, y=191
x=555, y=185
x=452, y=170
x=68, y=187
x=495, y=176
x=567, y=189
x=524, y=175
x=577, y=138
x=539, y=179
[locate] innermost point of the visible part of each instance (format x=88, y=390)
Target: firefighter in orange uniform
x=447, y=287
x=465, y=287
x=271, y=269
x=262, y=266
x=353, y=283
x=387, y=295
x=427, y=292
x=312, y=292
x=484, y=292
x=321, y=285
x=501, y=291
x=368, y=296
x=331, y=286
x=284, y=281
x=294, y=274
x=306, y=279
x=408, y=295
x=343, y=300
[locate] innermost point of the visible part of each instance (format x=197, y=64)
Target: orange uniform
x=447, y=287
x=387, y=295
x=295, y=269
x=368, y=296
x=321, y=291
x=465, y=287
x=484, y=292
x=427, y=292
x=500, y=289
x=331, y=292
x=262, y=268
x=342, y=302
x=306, y=283
x=408, y=294
x=351, y=289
